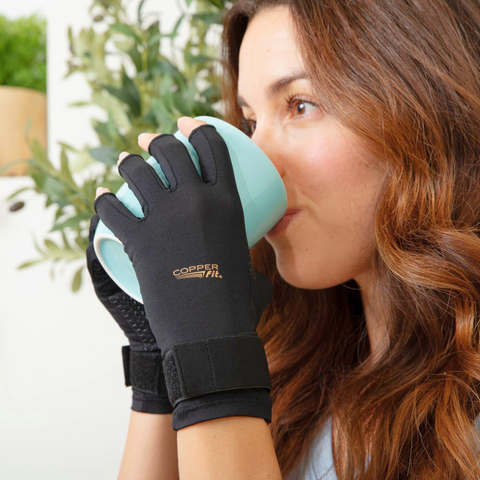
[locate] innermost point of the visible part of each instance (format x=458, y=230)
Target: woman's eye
x=245, y=126
x=299, y=103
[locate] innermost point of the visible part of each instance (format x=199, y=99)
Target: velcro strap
x=143, y=370
x=216, y=364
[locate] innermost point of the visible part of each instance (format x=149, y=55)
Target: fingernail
x=142, y=135
x=99, y=191
x=121, y=157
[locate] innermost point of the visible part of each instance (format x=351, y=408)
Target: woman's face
x=327, y=170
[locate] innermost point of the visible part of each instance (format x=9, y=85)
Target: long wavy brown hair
x=405, y=76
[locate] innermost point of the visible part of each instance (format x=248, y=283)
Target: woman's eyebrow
x=277, y=86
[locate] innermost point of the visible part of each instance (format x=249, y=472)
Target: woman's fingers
x=185, y=124
x=121, y=157
x=144, y=139
x=101, y=190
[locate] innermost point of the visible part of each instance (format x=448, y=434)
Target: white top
x=318, y=463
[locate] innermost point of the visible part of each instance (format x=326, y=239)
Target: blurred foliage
x=23, y=52
x=140, y=90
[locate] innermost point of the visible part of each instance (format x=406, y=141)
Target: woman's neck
x=375, y=318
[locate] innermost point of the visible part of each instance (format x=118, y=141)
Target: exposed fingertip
x=121, y=157
x=101, y=190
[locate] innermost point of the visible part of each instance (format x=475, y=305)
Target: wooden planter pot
x=17, y=105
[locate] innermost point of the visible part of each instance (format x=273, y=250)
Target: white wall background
x=21, y=8
x=64, y=408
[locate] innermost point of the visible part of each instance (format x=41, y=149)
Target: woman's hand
x=142, y=357
x=202, y=298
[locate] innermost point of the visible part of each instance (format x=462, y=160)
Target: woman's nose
x=271, y=147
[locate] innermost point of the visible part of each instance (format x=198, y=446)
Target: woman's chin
x=308, y=275
x=291, y=272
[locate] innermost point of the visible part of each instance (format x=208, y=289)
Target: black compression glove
x=142, y=360
x=202, y=297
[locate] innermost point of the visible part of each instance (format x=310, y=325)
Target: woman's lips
x=280, y=226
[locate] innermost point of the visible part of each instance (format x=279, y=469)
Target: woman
x=372, y=336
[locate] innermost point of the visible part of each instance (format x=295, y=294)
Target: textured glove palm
x=201, y=295
x=148, y=382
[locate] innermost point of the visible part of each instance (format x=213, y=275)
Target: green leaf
x=67, y=147
x=10, y=164
x=40, y=156
x=65, y=240
x=166, y=93
x=77, y=280
x=198, y=59
x=104, y=132
x=51, y=245
x=20, y=190
x=161, y=113
x=107, y=155
x=82, y=161
x=217, y=3
x=139, y=12
x=164, y=67
x=79, y=104
x=56, y=189
x=58, y=213
x=132, y=93
x=115, y=107
x=54, y=251
x=208, y=18
x=81, y=242
x=184, y=100
x=154, y=39
x=65, y=173
x=126, y=30
x=153, y=46
x=30, y=263
x=136, y=57
x=117, y=93
x=212, y=93
x=128, y=94
x=27, y=129
x=177, y=25
x=72, y=222
x=39, y=250
x=70, y=37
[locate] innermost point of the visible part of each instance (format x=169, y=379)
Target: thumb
x=102, y=282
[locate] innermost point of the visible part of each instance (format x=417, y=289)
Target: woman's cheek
x=323, y=172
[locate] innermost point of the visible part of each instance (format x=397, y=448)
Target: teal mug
x=260, y=187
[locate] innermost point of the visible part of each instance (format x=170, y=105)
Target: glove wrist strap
x=213, y=365
x=143, y=370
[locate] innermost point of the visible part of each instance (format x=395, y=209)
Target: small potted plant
x=22, y=90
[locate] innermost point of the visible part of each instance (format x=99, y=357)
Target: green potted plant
x=146, y=93
x=22, y=88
